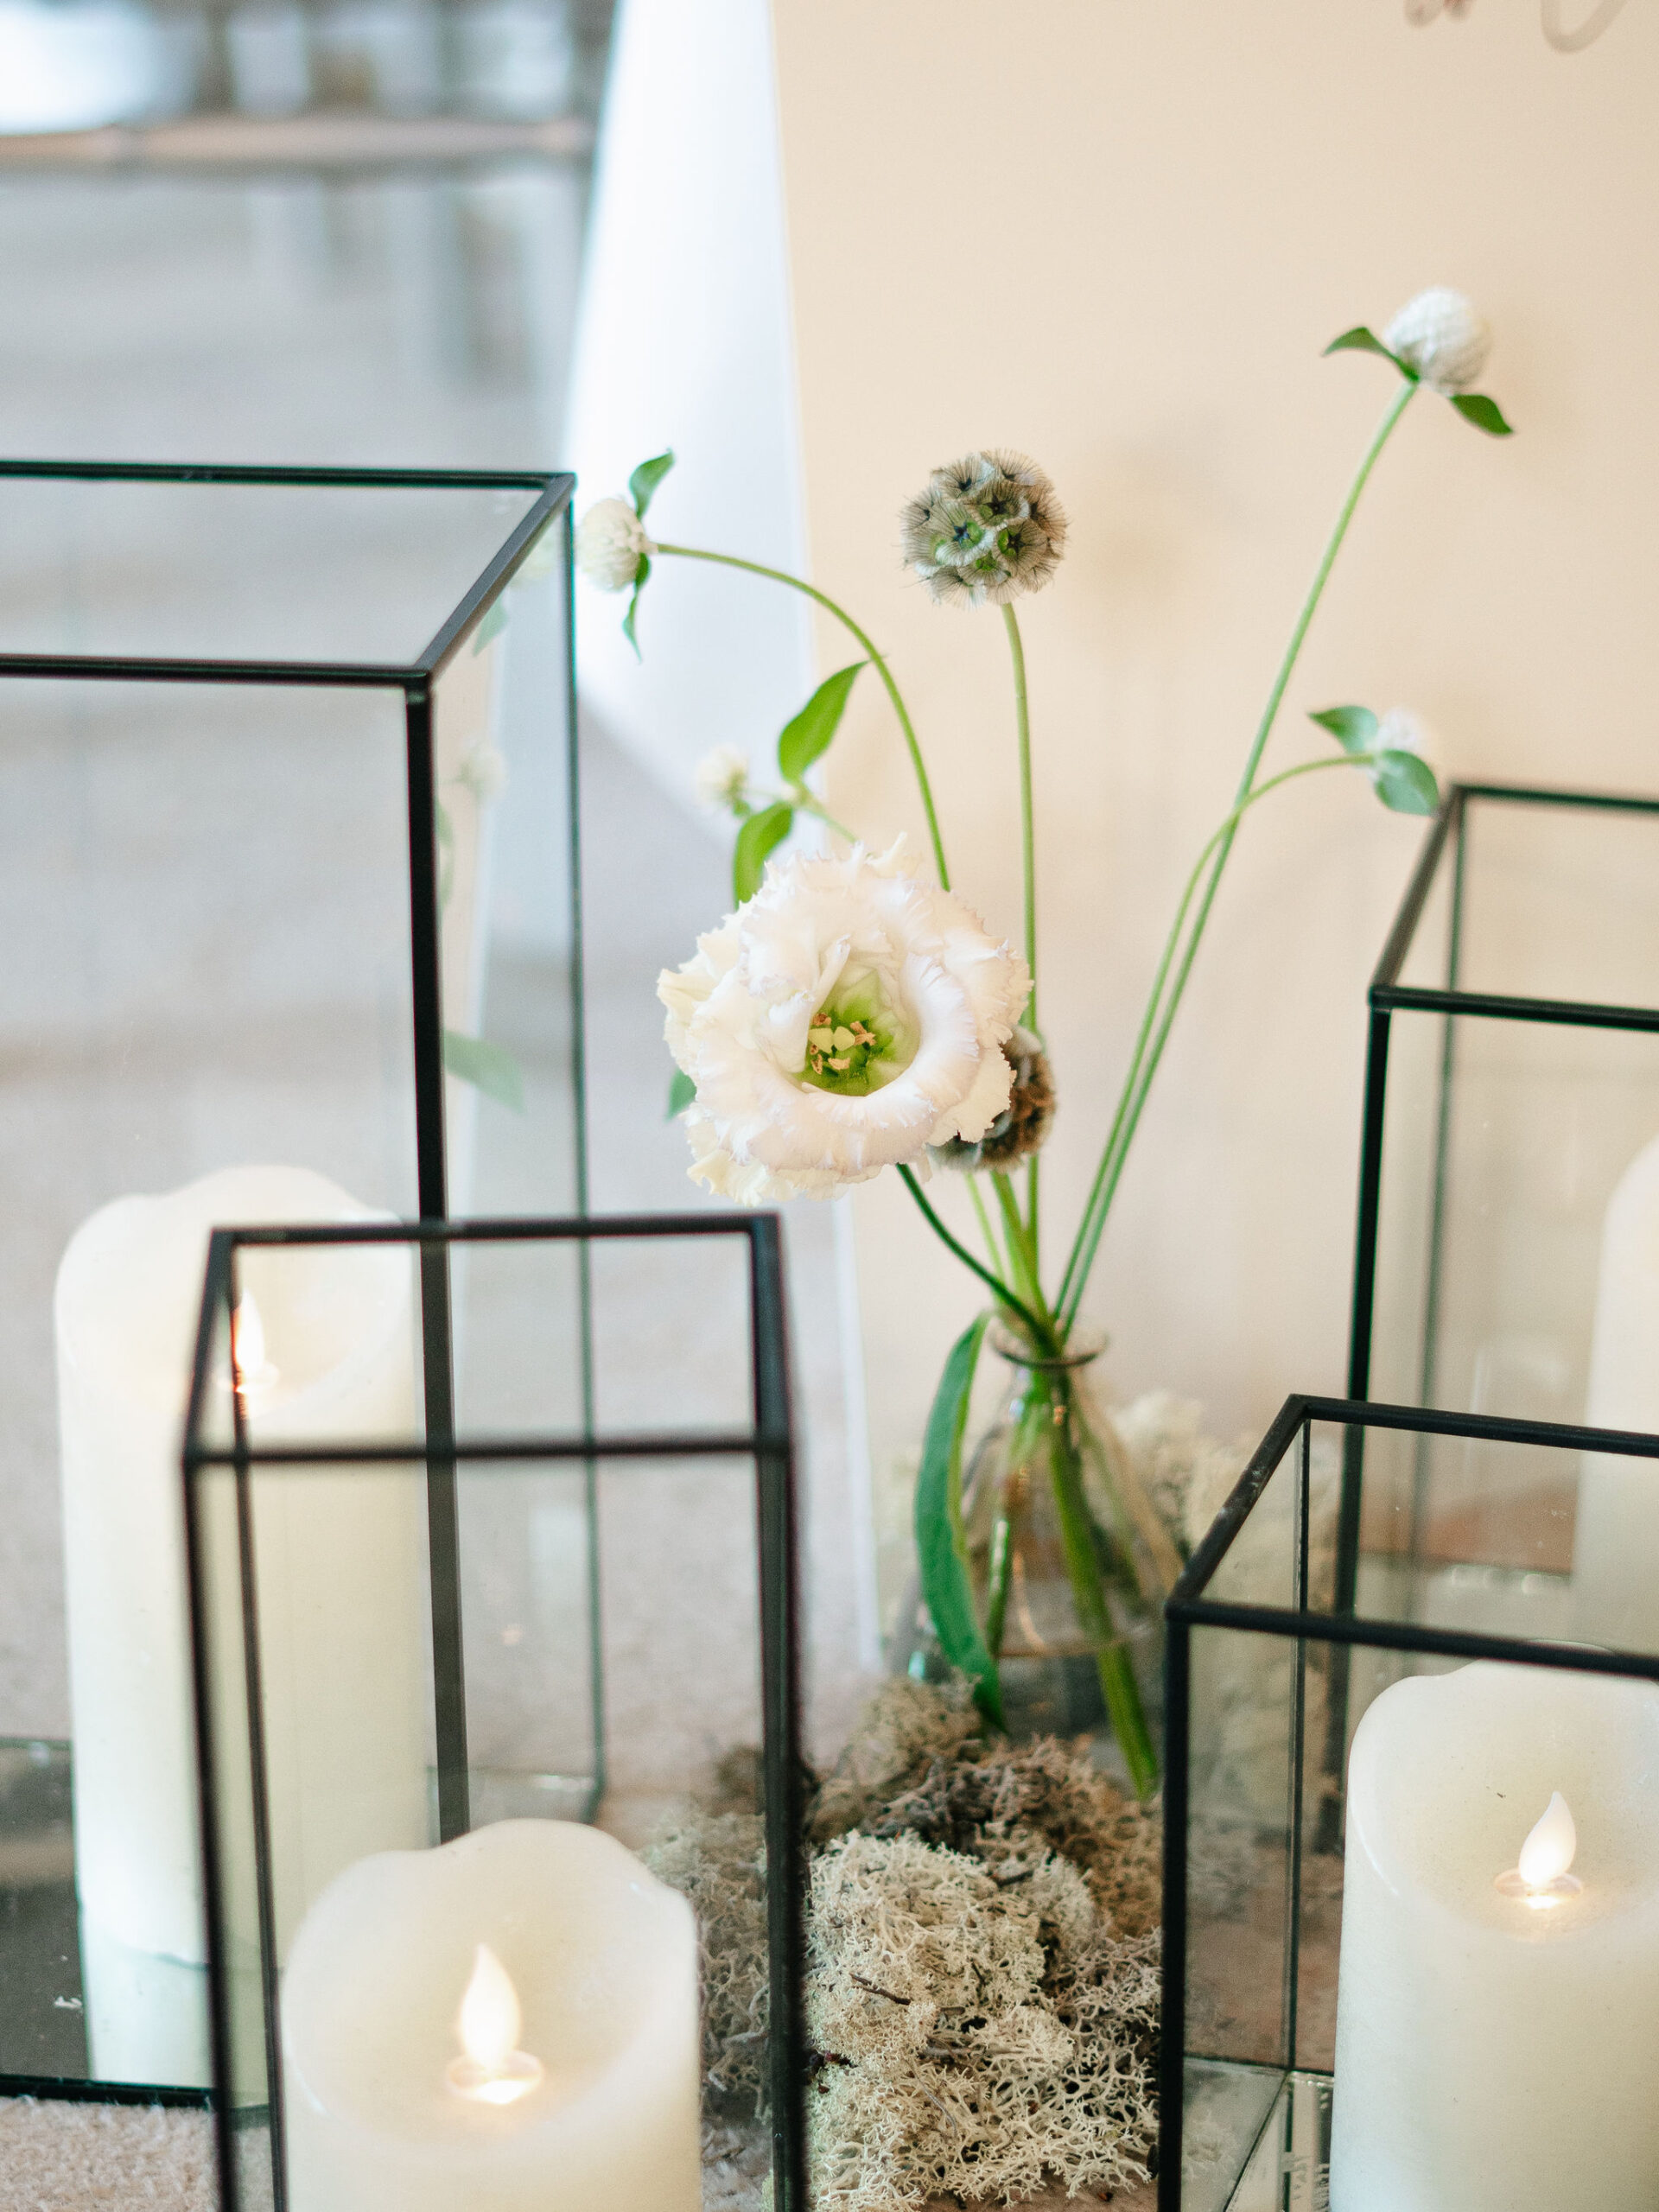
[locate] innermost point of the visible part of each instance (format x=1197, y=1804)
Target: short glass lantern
x=1507, y=1259
x=287, y=782
x=445, y=1968
x=1411, y=1909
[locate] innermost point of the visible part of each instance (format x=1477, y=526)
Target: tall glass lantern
x=1507, y=1259
x=287, y=816
x=1411, y=1899
x=449, y=1965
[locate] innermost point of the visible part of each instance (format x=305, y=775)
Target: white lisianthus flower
x=1440, y=334
x=723, y=777
x=610, y=538
x=845, y=1018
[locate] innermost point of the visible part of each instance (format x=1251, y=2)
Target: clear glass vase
x=1069, y=1562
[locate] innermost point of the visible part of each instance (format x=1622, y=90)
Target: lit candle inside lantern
x=562, y=1942
x=1498, y=2012
x=489, y=2068
x=1539, y=1877
x=330, y=1352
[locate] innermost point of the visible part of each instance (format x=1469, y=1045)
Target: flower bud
x=1440, y=336
x=723, y=777
x=610, y=539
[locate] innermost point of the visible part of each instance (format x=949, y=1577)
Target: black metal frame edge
x=1186, y=1603
x=64, y=2089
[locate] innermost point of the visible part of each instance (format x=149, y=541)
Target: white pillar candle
x=340, y=1572
x=571, y=1972
x=1497, y=2027
x=1615, y=1537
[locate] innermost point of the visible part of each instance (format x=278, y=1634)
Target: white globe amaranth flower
x=985, y=529
x=1441, y=337
x=610, y=539
x=845, y=1018
x=484, y=769
x=1400, y=731
x=723, y=777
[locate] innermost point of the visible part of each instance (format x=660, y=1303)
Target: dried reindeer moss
x=982, y=1963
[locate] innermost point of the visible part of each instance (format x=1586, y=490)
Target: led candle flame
x=254, y=1372
x=1542, y=1880
x=492, y=2072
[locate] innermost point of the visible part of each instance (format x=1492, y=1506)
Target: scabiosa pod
x=984, y=530
x=1021, y=1129
x=842, y=1020
x=1438, y=338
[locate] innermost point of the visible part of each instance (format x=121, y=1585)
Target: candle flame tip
x=1550, y=1848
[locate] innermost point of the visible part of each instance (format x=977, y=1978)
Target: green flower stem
x=1042, y=1332
x=876, y=661
x=1001, y=1568
x=1132, y=1096
x=1117, y=1683
x=1029, y=868
x=1144, y=1062
x=1022, y=1260
x=1027, y=834
x=985, y=1229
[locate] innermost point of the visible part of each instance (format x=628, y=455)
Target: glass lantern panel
x=1518, y=1162
x=607, y=1677
x=199, y=570
x=1244, y=1713
x=501, y=740
x=1559, y=902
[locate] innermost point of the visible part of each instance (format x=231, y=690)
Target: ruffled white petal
x=821, y=928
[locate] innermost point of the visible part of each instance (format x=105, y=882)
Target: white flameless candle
x=324, y=1348
x=1498, y=1996
x=1615, y=1537
x=412, y=1984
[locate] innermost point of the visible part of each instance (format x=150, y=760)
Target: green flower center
x=855, y=1046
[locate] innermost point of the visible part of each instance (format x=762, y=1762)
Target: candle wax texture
x=340, y=1587
x=1615, y=1535
x=603, y=1958
x=1492, y=2055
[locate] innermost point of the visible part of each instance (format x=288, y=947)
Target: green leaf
x=486, y=1067
x=646, y=479
x=808, y=737
x=1485, y=414
x=1361, y=340
x=1353, y=727
x=641, y=578
x=494, y=623
x=941, y=1546
x=754, y=841
x=681, y=1091
x=1405, y=782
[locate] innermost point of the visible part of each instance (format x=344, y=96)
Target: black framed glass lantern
x=1509, y=1205
x=448, y=1965
x=288, y=773
x=1411, y=1915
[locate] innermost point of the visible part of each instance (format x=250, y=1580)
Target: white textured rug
x=69, y=2157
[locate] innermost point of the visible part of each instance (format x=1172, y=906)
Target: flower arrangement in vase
x=854, y=1015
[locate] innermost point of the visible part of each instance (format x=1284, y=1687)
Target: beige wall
x=1117, y=235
